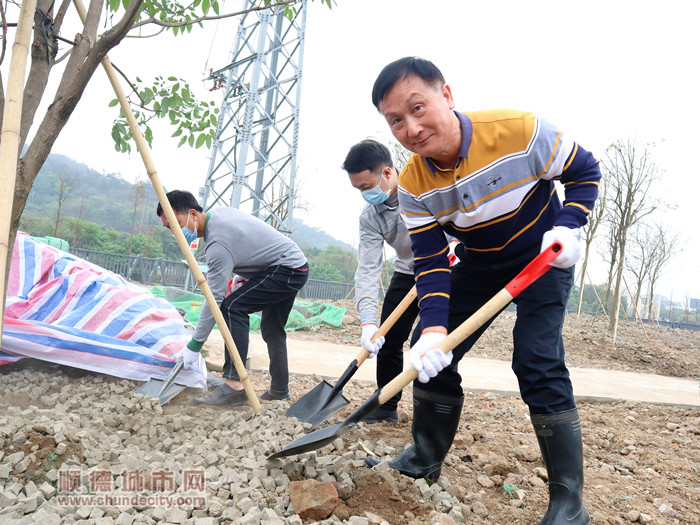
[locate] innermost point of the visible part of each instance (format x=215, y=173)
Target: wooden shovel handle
x=533, y=271
x=389, y=322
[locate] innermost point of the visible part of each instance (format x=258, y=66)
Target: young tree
x=139, y=195
x=65, y=185
x=631, y=173
x=171, y=99
x=595, y=219
x=667, y=245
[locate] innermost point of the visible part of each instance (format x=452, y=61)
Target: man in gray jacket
x=372, y=171
x=275, y=269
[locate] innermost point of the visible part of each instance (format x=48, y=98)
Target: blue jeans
x=271, y=291
x=538, y=348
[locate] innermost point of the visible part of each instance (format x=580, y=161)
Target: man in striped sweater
x=487, y=179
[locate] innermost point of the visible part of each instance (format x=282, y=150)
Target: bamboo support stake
x=170, y=215
x=9, y=140
x=636, y=310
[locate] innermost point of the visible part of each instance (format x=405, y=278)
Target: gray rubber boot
x=559, y=437
x=435, y=422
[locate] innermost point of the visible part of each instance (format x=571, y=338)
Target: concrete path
x=330, y=360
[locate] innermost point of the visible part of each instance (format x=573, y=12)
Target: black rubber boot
x=435, y=422
x=559, y=437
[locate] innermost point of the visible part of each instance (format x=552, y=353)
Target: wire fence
x=156, y=271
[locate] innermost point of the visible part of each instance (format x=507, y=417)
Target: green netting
x=304, y=313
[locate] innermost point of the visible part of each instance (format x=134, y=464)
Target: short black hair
x=180, y=201
x=403, y=68
x=367, y=155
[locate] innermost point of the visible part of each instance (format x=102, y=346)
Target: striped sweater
x=498, y=201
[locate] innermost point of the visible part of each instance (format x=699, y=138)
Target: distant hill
x=311, y=237
x=106, y=198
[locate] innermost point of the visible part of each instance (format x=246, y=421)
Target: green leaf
x=208, y=141
x=172, y=79
x=190, y=140
x=213, y=119
x=173, y=116
x=177, y=133
x=113, y=102
x=200, y=140
x=215, y=5
x=182, y=141
x=148, y=135
x=205, y=5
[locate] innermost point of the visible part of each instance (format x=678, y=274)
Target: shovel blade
x=316, y=403
x=152, y=388
x=312, y=441
x=324, y=436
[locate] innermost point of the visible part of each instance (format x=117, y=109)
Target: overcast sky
x=601, y=71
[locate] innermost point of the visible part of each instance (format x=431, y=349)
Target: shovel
x=324, y=400
x=525, y=278
x=163, y=390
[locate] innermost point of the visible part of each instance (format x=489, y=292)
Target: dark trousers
x=271, y=291
x=390, y=356
x=538, y=348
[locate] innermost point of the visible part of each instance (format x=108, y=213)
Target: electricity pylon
x=253, y=159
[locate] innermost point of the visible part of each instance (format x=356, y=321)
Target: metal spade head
x=324, y=436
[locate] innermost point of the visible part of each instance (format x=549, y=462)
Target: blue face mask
x=376, y=195
x=189, y=236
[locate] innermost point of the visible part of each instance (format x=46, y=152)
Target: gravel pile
x=52, y=423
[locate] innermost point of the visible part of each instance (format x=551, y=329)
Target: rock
x=47, y=490
x=176, y=516
x=644, y=519
x=667, y=510
x=457, y=491
x=245, y=504
x=485, y=481
x=480, y=509
x=206, y=521
x=633, y=516
x=312, y=499
x=124, y=519
x=373, y=518
x=358, y=520
x=5, y=471
x=44, y=517
x=527, y=454
x=7, y=499
x=442, y=519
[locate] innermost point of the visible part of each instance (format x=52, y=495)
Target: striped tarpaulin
x=65, y=310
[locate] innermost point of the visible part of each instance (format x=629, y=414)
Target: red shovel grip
x=533, y=271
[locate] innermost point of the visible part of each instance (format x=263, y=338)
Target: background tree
x=595, y=219
x=631, y=172
x=65, y=185
x=139, y=196
x=667, y=245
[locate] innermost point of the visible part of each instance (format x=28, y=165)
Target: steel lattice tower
x=253, y=159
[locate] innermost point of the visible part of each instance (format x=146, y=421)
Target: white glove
x=570, y=245
x=237, y=282
x=189, y=357
x=368, y=331
x=435, y=360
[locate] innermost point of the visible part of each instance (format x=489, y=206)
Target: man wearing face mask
x=371, y=170
x=275, y=269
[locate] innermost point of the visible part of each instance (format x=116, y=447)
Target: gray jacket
x=378, y=224
x=240, y=243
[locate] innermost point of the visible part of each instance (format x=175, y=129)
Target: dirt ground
x=642, y=462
